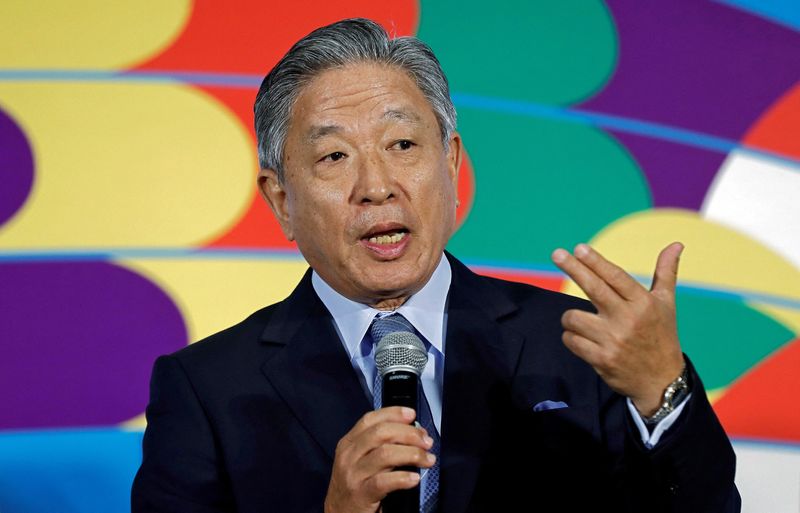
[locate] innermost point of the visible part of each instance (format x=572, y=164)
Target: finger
x=586, y=324
x=398, y=414
x=387, y=433
x=390, y=424
x=665, y=277
x=373, y=467
x=392, y=432
x=390, y=456
x=582, y=347
x=616, y=277
x=381, y=484
x=598, y=291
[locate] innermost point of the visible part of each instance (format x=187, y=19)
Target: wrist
x=672, y=396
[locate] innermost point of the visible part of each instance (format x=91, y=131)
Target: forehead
x=358, y=93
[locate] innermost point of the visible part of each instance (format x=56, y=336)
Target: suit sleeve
x=694, y=463
x=181, y=468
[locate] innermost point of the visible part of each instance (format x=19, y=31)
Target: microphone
x=400, y=358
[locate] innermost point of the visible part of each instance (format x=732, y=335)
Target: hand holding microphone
x=373, y=458
x=400, y=358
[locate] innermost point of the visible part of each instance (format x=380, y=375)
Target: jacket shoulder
x=240, y=342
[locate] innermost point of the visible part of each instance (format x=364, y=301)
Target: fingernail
x=431, y=458
x=559, y=255
x=413, y=477
x=581, y=250
x=407, y=413
x=428, y=440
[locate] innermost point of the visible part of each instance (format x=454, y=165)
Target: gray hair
x=341, y=43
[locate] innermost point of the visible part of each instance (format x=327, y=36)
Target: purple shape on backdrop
x=79, y=340
x=697, y=65
x=678, y=175
x=16, y=167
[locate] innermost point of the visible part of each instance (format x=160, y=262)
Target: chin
x=405, y=280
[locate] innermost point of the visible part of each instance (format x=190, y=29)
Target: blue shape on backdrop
x=68, y=471
x=784, y=12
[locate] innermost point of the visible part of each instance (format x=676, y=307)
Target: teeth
x=388, y=239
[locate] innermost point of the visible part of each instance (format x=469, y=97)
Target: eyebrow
x=317, y=132
x=402, y=115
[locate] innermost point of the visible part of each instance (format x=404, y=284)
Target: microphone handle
x=401, y=388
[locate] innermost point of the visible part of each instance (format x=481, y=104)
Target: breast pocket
x=557, y=427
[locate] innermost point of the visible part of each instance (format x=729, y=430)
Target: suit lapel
x=480, y=359
x=312, y=372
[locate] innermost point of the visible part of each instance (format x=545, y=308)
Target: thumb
x=666, y=274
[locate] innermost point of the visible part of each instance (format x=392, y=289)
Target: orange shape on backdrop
x=258, y=228
x=778, y=129
x=759, y=404
x=249, y=36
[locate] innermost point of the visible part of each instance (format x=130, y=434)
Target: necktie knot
x=382, y=326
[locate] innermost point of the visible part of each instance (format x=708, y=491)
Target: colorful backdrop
x=130, y=226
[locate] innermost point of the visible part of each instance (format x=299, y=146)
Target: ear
x=455, y=153
x=274, y=193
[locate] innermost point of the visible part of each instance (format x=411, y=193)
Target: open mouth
x=387, y=240
x=389, y=237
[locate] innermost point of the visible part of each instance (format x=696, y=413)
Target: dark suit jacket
x=248, y=419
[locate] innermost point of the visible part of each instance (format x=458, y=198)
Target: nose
x=375, y=182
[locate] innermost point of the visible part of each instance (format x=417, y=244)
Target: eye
x=403, y=145
x=333, y=157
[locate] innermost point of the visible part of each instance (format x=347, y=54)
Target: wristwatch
x=674, y=395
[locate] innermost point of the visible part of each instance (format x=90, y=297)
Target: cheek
x=438, y=205
x=319, y=212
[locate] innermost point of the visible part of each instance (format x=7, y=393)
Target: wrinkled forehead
x=360, y=92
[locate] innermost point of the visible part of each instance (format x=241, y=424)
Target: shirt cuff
x=651, y=439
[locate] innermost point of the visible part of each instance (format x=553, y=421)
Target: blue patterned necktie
x=429, y=486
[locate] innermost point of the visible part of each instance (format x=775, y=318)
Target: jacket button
x=673, y=489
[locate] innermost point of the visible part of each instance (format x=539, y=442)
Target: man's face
x=369, y=191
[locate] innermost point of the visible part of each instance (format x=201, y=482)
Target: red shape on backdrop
x=249, y=36
x=547, y=281
x=258, y=228
x=762, y=403
x=465, y=189
x=778, y=129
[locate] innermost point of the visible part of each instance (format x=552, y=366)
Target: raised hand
x=632, y=340
x=363, y=468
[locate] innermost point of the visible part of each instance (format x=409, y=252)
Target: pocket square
x=550, y=405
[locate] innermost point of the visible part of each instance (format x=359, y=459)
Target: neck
x=389, y=304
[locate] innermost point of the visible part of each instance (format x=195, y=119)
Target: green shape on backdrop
x=550, y=52
x=542, y=184
x=725, y=338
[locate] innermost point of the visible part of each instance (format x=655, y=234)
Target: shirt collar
x=425, y=309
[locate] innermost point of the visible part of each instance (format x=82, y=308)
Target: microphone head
x=400, y=350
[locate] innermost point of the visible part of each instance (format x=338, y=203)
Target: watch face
x=676, y=392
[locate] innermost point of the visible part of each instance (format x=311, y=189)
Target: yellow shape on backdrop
x=214, y=293
x=87, y=33
x=121, y=165
x=137, y=423
x=715, y=255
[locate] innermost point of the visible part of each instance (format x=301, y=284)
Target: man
x=359, y=159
